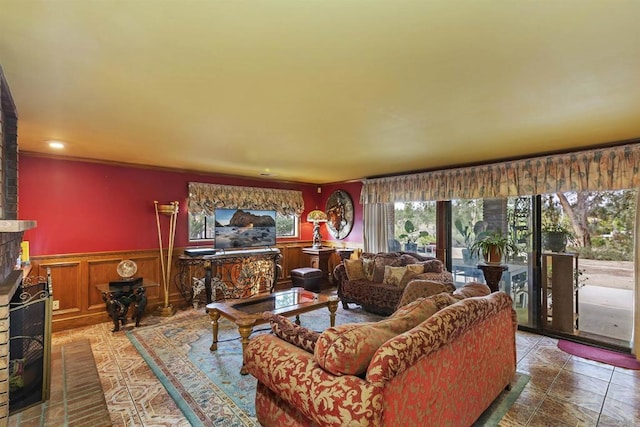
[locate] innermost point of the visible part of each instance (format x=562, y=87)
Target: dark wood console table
x=228, y=274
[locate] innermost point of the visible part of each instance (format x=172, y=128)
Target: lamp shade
x=317, y=216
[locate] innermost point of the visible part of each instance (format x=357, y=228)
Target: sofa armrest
x=438, y=331
x=295, y=377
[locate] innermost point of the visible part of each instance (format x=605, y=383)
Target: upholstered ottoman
x=307, y=277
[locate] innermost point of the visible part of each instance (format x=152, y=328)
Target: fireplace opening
x=30, y=343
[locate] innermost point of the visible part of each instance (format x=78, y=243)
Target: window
x=414, y=227
x=286, y=225
x=202, y=226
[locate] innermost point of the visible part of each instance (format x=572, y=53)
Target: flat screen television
x=244, y=228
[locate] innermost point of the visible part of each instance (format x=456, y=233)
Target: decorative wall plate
x=340, y=214
x=127, y=268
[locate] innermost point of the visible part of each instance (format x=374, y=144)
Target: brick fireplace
x=11, y=231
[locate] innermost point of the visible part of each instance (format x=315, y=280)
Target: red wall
x=91, y=207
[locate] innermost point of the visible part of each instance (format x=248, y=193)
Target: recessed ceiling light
x=56, y=144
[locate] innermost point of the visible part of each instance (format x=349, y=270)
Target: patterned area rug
x=208, y=387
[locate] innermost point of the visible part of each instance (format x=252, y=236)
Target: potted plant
x=494, y=247
x=555, y=237
x=411, y=235
x=470, y=234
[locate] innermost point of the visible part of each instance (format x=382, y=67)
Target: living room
x=94, y=200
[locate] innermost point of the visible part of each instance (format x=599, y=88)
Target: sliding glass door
x=588, y=280
x=471, y=219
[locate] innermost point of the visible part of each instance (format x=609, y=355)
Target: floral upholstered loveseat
x=438, y=360
x=377, y=281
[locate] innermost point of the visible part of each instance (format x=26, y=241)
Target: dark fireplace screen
x=29, y=344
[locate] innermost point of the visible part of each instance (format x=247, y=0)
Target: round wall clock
x=340, y=215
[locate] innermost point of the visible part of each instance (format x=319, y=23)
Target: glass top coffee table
x=247, y=312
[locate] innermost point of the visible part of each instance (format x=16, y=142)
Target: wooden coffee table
x=247, y=312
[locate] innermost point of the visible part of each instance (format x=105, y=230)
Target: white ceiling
x=320, y=91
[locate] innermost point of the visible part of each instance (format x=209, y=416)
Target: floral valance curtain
x=611, y=168
x=207, y=197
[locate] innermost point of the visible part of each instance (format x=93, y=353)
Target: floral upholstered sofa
x=439, y=360
x=377, y=281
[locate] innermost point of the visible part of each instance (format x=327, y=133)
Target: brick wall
x=9, y=242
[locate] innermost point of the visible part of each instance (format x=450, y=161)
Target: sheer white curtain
x=376, y=231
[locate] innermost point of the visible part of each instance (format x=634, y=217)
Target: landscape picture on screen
x=244, y=228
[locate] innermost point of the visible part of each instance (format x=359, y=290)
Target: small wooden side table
x=320, y=259
x=493, y=274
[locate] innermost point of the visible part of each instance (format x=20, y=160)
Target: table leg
x=298, y=319
x=245, y=330
x=214, y=315
x=333, y=306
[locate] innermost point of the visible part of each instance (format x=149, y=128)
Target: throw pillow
x=381, y=261
x=407, y=277
x=354, y=269
x=416, y=268
x=347, y=349
x=294, y=334
x=393, y=275
x=368, y=264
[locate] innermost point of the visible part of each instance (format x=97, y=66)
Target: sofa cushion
x=472, y=289
x=294, y=334
x=393, y=275
x=443, y=277
x=354, y=269
x=421, y=289
x=406, y=259
x=432, y=266
x=347, y=349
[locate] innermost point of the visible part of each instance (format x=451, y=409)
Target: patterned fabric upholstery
x=374, y=295
x=423, y=288
x=465, y=349
x=472, y=289
x=347, y=349
x=295, y=334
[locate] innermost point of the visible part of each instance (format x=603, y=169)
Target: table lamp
x=316, y=217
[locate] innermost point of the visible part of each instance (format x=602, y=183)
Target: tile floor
x=564, y=390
